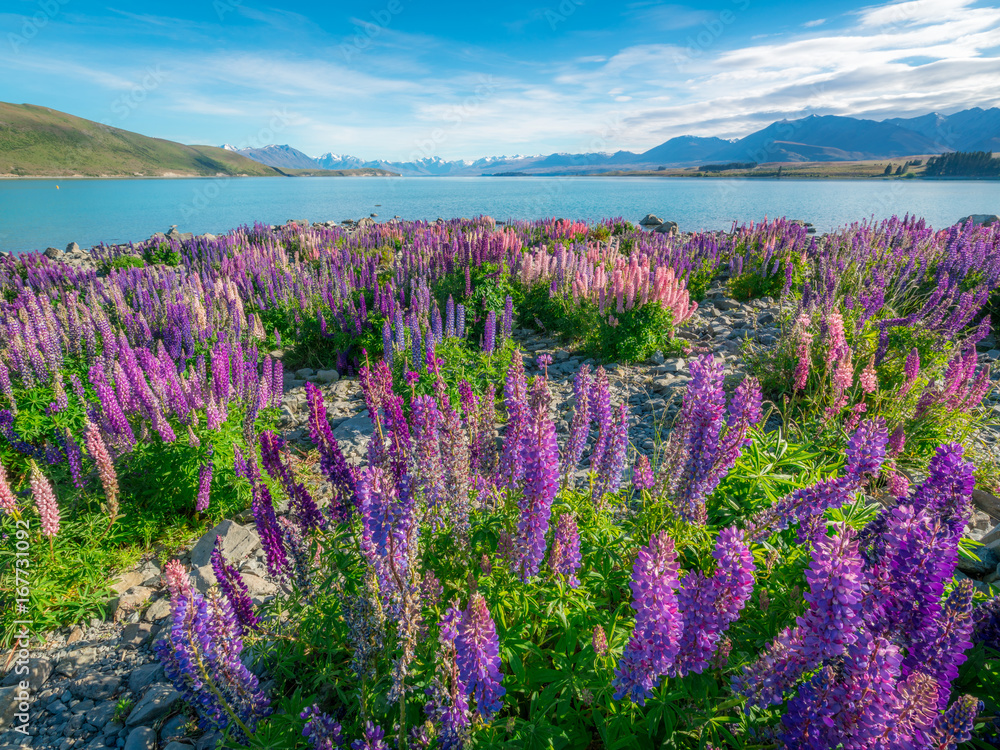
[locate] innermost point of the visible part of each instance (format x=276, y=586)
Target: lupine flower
x=516, y=402
x=544, y=360
x=600, y=405
x=655, y=641
x=374, y=738
x=642, y=473
x=508, y=317
x=600, y=641
x=322, y=731
x=580, y=427
x=540, y=458
x=868, y=380
x=365, y=620
x=332, y=461
x=204, y=485
x=45, y=500
x=826, y=629
x=234, y=589
x=612, y=466
x=489, y=336
x=201, y=657
x=478, y=657
x=955, y=725
x=564, y=557
x=804, y=357
x=448, y=704
x=8, y=502
x=266, y=522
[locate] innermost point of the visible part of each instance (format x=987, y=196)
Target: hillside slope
x=45, y=142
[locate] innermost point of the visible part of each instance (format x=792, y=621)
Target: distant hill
x=282, y=157
x=828, y=138
x=45, y=142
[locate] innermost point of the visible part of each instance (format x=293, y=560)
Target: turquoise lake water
x=35, y=215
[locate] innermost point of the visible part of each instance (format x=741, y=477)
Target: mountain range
x=807, y=139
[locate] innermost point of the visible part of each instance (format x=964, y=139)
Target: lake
x=35, y=215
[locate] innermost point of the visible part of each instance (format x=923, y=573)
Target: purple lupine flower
x=322, y=731
x=612, y=466
x=599, y=641
x=478, y=657
x=332, y=461
x=204, y=485
x=540, y=458
x=564, y=557
x=824, y=631
x=515, y=392
x=304, y=507
x=201, y=657
x=702, y=415
x=387, y=343
x=426, y=422
x=912, y=367
x=449, y=704
x=449, y=325
x=268, y=529
x=866, y=448
x=955, y=725
x=416, y=344
x=579, y=429
x=642, y=473
x=655, y=640
x=490, y=333
x=710, y=605
x=234, y=589
x=600, y=405
x=987, y=623
x=544, y=360
x=74, y=457
x=508, y=317
x=948, y=488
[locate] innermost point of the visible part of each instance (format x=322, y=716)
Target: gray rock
x=208, y=740
x=73, y=248
x=305, y=373
x=157, y=610
x=174, y=728
x=258, y=586
x=53, y=253
x=238, y=542
x=327, y=376
x=159, y=701
x=985, y=220
x=35, y=673
x=104, y=713
x=667, y=227
x=144, y=676
x=986, y=564
x=141, y=738
x=354, y=429
x=650, y=220
x=10, y=705
x=178, y=746
x=96, y=686
x=74, y=662
x=137, y=633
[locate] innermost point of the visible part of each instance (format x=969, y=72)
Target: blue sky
x=404, y=79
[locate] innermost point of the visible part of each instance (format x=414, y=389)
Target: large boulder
x=985, y=220
x=667, y=227
x=651, y=220
x=237, y=543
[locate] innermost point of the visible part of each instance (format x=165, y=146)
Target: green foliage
x=127, y=261
x=640, y=331
x=162, y=255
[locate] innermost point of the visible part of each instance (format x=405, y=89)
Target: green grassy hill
x=44, y=142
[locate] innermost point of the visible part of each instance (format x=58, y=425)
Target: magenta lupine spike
x=426, y=423
x=865, y=450
x=947, y=490
x=105, y=467
x=490, y=332
x=234, y=589
x=564, y=557
x=45, y=501
x=600, y=405
x=702, y=415
x=642, y=473
x=540, y=458
x=612, y=466
x=824, y=631
x=515, y=392
x=710, y=605
x=580, y=427
x=478, y=656
x=268, y=529
x=804, y=338
x=332, y=462
x=912, y=367
x=8, y=502
x=304, y=507
x=655, y=640
x=205, y=485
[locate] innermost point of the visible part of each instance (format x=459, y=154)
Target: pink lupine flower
x=836, y=343
x=869, y=378
x=105, y=468
x=45, y=499
x=8, y=503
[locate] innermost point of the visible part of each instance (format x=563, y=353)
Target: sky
x=408, y=79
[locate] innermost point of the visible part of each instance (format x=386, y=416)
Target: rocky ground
x=97, y=685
